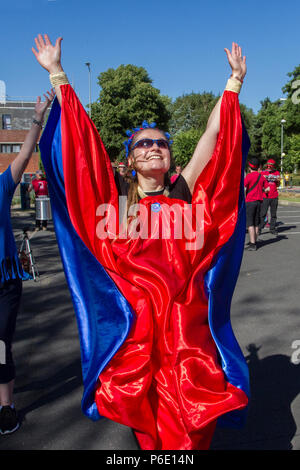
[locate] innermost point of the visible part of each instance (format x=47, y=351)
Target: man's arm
x=21, y=161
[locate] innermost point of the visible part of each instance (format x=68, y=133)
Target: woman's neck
x=151, y=184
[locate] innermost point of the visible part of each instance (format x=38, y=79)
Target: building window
x=5, y=148
x=10, y=148
x=14, y=148
x=6, y=121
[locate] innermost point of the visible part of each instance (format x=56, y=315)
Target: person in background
x=11, y=271
x=286, y=179
x=270, y=199
x=178, y=171
x=255, y=186
x=40, y=187
x=122, y=169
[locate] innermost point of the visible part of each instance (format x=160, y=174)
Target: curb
x=288, y=203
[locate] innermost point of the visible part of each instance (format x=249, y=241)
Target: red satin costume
x=165, y=382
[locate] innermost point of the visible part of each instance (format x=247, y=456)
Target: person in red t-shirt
x=40, y=187
x=272, y=177
x=255, y=185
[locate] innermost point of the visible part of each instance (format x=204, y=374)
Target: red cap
x=271, y=162
x=254, y=167
x=121, y=164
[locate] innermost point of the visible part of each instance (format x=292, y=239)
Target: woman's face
x=150, y=161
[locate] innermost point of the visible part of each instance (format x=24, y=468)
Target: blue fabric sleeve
x=7, y=182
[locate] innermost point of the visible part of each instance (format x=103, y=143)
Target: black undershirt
x=178, y=190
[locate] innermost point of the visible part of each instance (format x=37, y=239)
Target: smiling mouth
x=154, y=157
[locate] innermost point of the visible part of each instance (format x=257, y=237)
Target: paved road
x=265, y=317
x=266, y=320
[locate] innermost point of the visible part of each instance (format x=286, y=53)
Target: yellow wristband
x=233, y=85
x=57, y=79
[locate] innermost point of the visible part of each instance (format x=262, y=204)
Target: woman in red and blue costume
x=157, y=347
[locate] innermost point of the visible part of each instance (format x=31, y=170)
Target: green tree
x=127, y=97
x=184, y=145
x=191, y=111
x=267, y=130
x=249, y=122
x=292, y=103
x=291, y=161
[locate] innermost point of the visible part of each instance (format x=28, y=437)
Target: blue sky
x=180, y=43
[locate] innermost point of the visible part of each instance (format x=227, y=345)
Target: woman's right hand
x=47, y=55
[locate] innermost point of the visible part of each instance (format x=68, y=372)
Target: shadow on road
x=275, y=383
x=270, y=241
x=52, y=388
x=284, y=228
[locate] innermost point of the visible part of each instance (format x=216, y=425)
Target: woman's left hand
x=236, y=61
x=41, y=106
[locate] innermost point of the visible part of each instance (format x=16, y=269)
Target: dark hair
x=253, y=163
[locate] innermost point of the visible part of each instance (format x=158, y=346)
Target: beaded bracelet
x=38, y=123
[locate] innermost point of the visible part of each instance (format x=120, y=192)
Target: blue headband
x=131, y=133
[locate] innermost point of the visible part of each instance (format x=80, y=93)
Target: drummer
x=40, y=187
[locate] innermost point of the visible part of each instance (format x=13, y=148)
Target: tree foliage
x=127, y=97
x=292, y=159
x=184, y=145
x=191, y=112
x=267, y=127
x=189, y=117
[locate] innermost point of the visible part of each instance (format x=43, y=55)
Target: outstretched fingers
x=228, y=53
x=41, y=43
x=50, y=95
x=47, y=40
x=37, y=43
x=34, y=51
x=58, y=41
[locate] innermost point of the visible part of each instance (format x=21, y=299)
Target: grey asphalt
x=265, y=318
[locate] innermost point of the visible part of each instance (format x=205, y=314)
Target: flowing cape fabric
x=153, y=317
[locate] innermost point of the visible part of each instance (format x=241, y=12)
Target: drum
x=43, y=208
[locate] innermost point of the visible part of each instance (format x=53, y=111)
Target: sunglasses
x=148, y=143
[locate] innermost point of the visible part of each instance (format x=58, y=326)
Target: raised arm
x=207, y=143
x=49, y=57
x=21, y=161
